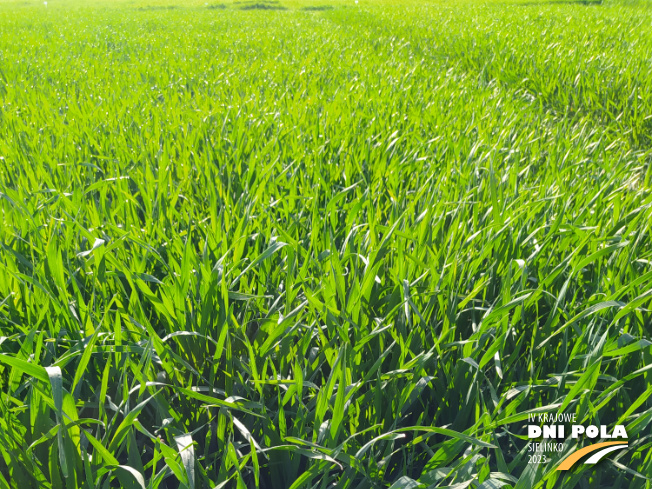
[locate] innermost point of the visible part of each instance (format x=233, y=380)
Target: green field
x=332, y=244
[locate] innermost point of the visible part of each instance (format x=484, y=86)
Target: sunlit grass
x=351, y=245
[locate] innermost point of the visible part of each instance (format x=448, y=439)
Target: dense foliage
x=334, y=244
